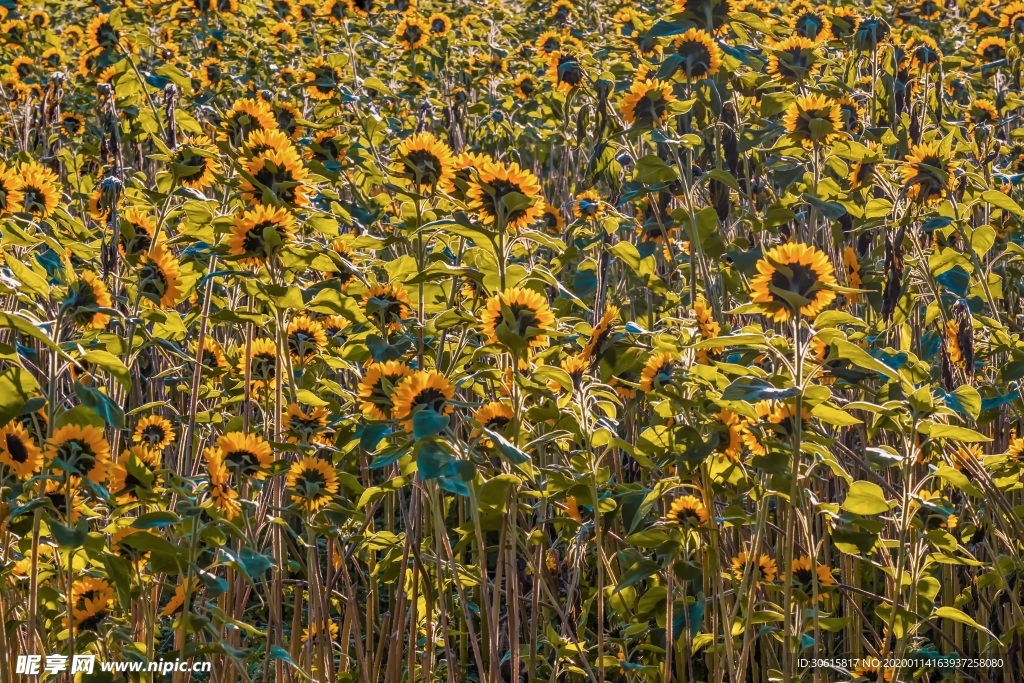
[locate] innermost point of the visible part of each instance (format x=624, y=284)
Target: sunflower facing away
x=91, y=600
x=195, y=163
x=38, y=189
x=313, y=482
x=793, y=60
x=247, y=454
x=517, y=316
x=565, y=72
x=813, y=120
x=19, y=455
x=793, y=278
x=133, y=473
x=159, y=277
x=304, y=426
x=764, y=570
x=492, y=196
x=494, y=416
x=279, y=173
x=803, y=576
x=701, y=56
x=259, y=233
x=422, y=390
x=927, y=173
x=647, y=102
x=657, y=371
x=87, y=295
x=424, y=160
x=388, y=304
x=82, y=451
x=306, y=338
x=377, y=388
x=154, y=432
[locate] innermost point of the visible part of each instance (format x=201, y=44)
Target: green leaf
x=67, y=537
x=969, y=399
x=953, y=614
x=428, y=422
x=111, y=364
x=997, y=198
x=102, y=404
x=652, y=170
x=156, y=519
x=862, y=358
x=865, y=498
x=17, y=387
x=938, y=431
x=640, y=571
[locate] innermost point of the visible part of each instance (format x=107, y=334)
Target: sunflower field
x=481, y=341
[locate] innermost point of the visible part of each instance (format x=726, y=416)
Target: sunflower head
x=657, y=371
x=84, y=300
x=927, y=173
x=19, y=454
x=412, y=33
x=424, y=161
x=505, y=195
x=79, y=451
x=812, y=24
x=91, y=599
x=196, y=165
x=804, y=573
x=38, y=189
x=565, y=71
x=159, y=277
x=154, y=432
x=698, y=54
x=422, y=390
x=518, y=319
x=793, y=60
x=495, y=416
x=133, y=473
x=305, y=426
x=246, y=454
x=687, y=511
x=764, y=569
x=377, y=388
x=793, y=278
x=276, y=175
x=388, y=304
x=306, y=338
x=814, y=120
x=647, y=102
x=258, y=235
x=313, y=482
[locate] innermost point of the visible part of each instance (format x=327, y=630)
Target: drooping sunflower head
x=517, y=318
x=424, y=160
x=246, y=454
x=259, y=234
x=422, y=390
x=377, y=387
x=687, y=511
x=412, y=33
x=764, y=569
x=79, y=451
x=657, y=371
x=793, y=278
x=793, y=60
x=39, y=189
x=388, y=304
x=814, y=120
x=159, y=278
x=306, y=338
x=85, y=298
x=647, y=102
x=565, y=71
x=505, y=195
x=19, y=454
x=313, y=482
x=701, y=56
x=927, y=173
x=811, y=23
x=196, y=164
x=924, y=53
x=154, y=432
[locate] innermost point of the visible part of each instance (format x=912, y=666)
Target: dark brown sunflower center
x=438, y=26
x=311, y=481
x=153, y=434
x=412, y=34
x=696, y=57
x=107, y=35
x=686, y=514
x=253, y=242
x=24, y=70
x=926, y=56
x=497, y=423
x=243, y=460
x=526, y=86
x=794, y=63
x=429, y=398
x=802, y=281
x=34, y=199
x=264, y=366
x=803, y=576
x=213, y=73
x=649, y=108
x=84, y=298
x=524, y=318
x=569, y=71
x=72, y=125
x=140, y=242
x=16, y=449
x=993, y=53
x=928, y=8
x=279, y=180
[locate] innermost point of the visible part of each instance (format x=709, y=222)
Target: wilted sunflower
x=160, y=277
x=19, y=455
x=422, y=390
x=492, y=196
x=687, y=511
x=247, y=454
x=91, y=600
x=133, y=473
x=701, y=56
x=813, y=120
x=565, y=72
x=377, y=387
x=388, y=304
x=412, y=33
x=927, y=173
x=154, y=432
x=657, y=371
x=38, y=189
x=84, y=297
x=306, y=338
x=647, y=102
x=82, y=451
x=517, y=316
x=793, y=60
x=600, y=334
x=424, y=160
x=765, y=569
x=258, y=234
x=793, y=278
x=313, y=482
x=196, y=164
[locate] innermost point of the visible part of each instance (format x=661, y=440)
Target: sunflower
x=701, y=56
x=56, y=493
x=154, y=432
x=811, y=24
x=588, y=204
x=328, y=147
x=304, y=427
x=160, y=277
x=360, y=8
x=983, y=17
x=82, y=451
x=927, y=173
x=600, y=334
x=765, y=570
x=196, y=164
x=336, y=327
x=262, y=363
x=924, y=55
x=424, y=160
x=21, y=70
x=101, y=34
x=19, y=455
x=177, y=600
x=282, y=33
x=212, y=357
x=852, y=113
x=647, y=103
x=306, y=338
x=211, y=73
x=322, y=79
x=84, y=297
x=412, y=33
x=492, y=196
x=687, y=511
x=992, y=49
x=248, y=454
x=421, y=390
x=133, y=473
x=305, y=10
x=464, y=168
x=869, y=672
x=731, y=446
x=495, y=416
x=258, y=234
x=377, y=387
x=314, y=631
x=91, y=600
x=982, y=113
x=565, y=72
x=575, y=367
x=852, y=265
x=222, y=495
x=804, y=573
x=287, y=114
x=793, y=277
x=517, y=313
x=10, y=196
x=279, y=173
x=548, y=43
x=793, y=59
x=1012, y=17
x=334, y=10
x=313, y=482
x=38, y=189
x=245, y=116
x=388, y=304
x=551, y=219
x=813, y=120
x=137, y=230
x=657, y=371
x=71, y=124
